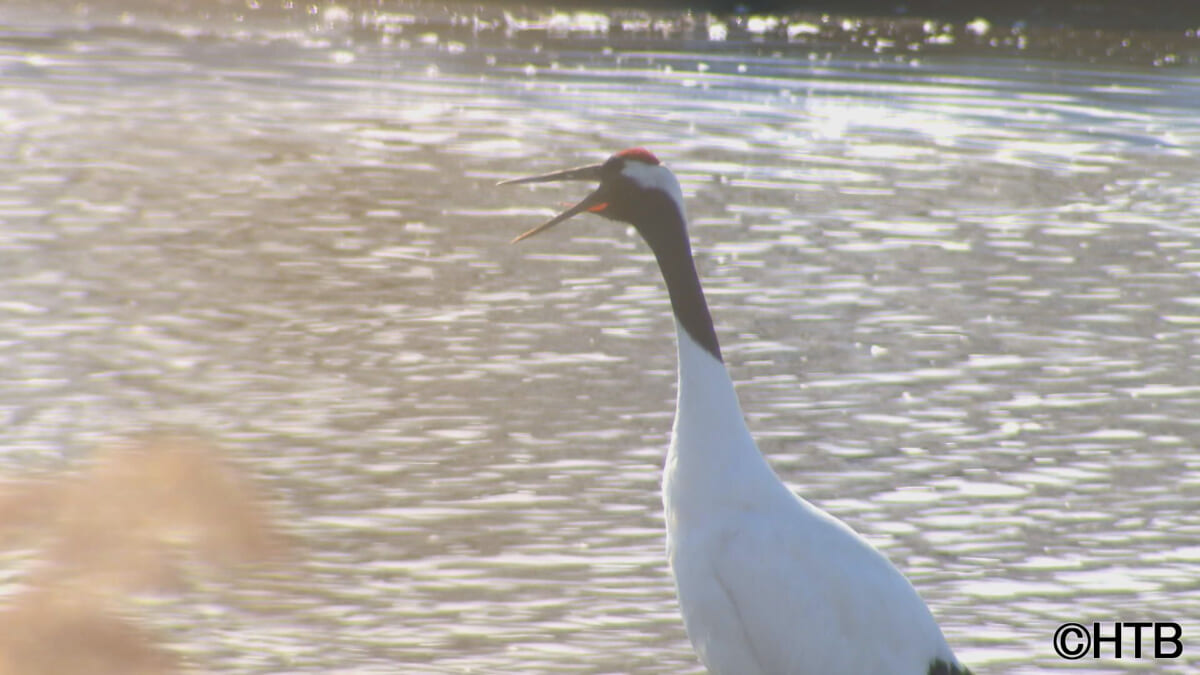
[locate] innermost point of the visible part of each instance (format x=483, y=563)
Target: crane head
x=634, y=186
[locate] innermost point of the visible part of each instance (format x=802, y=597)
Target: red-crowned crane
x=768, y=583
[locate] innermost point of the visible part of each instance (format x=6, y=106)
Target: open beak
x=591, y=202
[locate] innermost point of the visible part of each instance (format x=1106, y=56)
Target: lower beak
x=587, y=204
x=588, y=173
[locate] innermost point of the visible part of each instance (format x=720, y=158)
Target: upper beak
x=588, y=173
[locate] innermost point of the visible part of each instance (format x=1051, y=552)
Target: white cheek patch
x=654, y=177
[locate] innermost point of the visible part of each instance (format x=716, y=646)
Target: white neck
x=712, y=452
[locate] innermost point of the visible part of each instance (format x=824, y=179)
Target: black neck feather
x=664, y=229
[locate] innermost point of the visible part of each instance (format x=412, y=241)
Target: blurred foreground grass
x=134, y=518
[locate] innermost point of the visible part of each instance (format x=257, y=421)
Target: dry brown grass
x=131, y=520
x=49, y=632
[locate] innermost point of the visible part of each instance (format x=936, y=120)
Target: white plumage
x=768, y=583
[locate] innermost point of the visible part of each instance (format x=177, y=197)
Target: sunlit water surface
x=959, y=295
